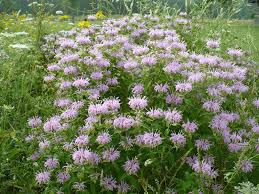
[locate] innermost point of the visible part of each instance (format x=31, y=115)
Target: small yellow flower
x=14, y=13
x=22, y=17
x=100, y=15
x=84, y=24
x=64, y=17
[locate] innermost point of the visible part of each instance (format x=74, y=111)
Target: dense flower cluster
x=133, y=101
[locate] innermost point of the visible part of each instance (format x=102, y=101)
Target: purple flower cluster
x=117, y=81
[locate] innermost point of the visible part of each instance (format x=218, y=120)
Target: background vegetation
x=248, y=8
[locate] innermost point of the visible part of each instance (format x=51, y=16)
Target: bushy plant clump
x=137, y=111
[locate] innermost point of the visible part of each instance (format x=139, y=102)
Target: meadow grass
x=251, y=29
x=245, y=33
x=22, y=95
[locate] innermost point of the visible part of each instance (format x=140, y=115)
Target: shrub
x=137, y=111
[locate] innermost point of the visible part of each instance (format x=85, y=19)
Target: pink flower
x=97, y=109
x=112, y=104
x=179, y=46
x=51, y=163
x=109, y=183
x=103, y=138
x=44, y=144
x=256, y=103
x=52, y=125
x=123, y=122
x=149, y=61
x=64, y=85
x=161, y=88
x=49, y=78
x=70, y=70
x=156, y=33
x=212, y=106
x=138, y=50
x=246, y=166
x=137, y=103
x=128, y=65
x=63, y=102
x=81, y=83
x=131, y=166
x=178, y=139
x=111, y=154
x=68, y=43
x=173, y=99
x=43, y=177
x=53, y=68
x=82, y=140
x=96, y=75
x=34, y=122
x=202, y=144
x=149, y=139
x=183, y=87
x=83, y=40
x=79, y=186
x=173, y=68
x=213, y=44
x=155, y=113
x=173, y=116
x=190, y=127
x=63, y=177
x=123, y=187
x=138, y=89
x=83, y=156
x=70, y=113
x=69, y=58
x=237, y=53
x=112, y=81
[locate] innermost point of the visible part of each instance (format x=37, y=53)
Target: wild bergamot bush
x=136, y=110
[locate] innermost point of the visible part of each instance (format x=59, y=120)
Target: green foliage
x=247, y=187
x=22, y=95
x=123, y=7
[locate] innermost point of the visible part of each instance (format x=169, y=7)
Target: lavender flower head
x=51, y=163
x=138, y=89
x=103, y=138
x=52, y=125
x=178, y=139
x=237, y=53
x=256, y=103
x=246, y=166
x=34, y=122
x=190, y=127
x=155, y=113
x=79, y=186
x=161, y=88
x=83, y=156
x=150, y=139
x=111, y=154
x=123, y=122
x=108, y=183
x=213, y=44
x=131, y=166
x=173, y=116
x=82, y=140
x=202, y=144
x=42, y=177
x=149, y=61
x=138, y=103
x=123, y=187
x=62, y=177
